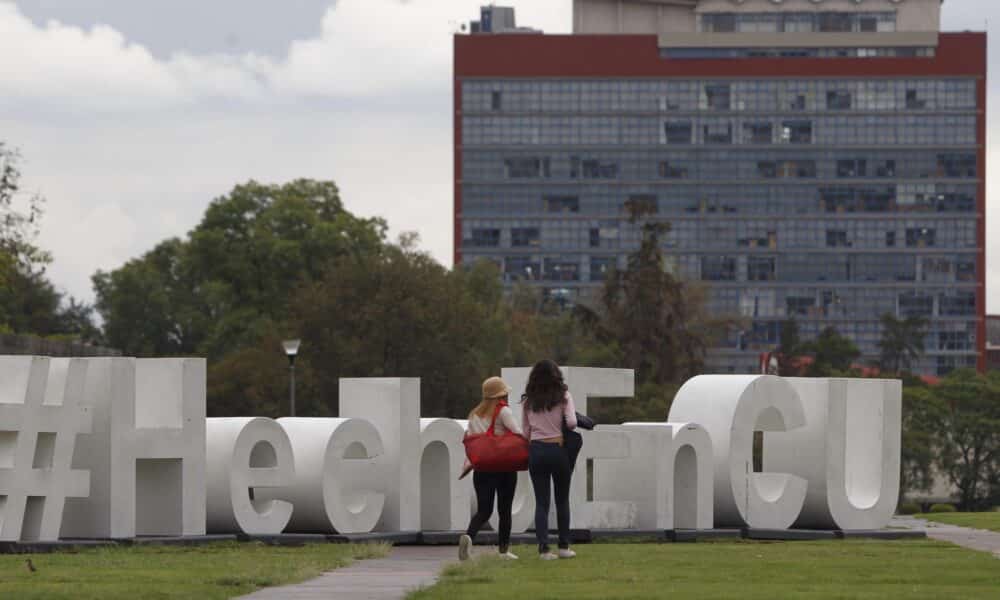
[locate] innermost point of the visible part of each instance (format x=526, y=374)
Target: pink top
x=548, y=424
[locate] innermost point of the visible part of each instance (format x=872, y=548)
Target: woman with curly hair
x=548, y=407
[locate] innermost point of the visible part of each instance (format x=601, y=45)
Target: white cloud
x=129, y=149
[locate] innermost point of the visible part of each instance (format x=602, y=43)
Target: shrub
x=942, y=508
x=908, y=508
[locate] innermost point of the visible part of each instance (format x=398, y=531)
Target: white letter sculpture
x=444, y=500
x=668, y=475
x=147, y=450
x=336, y=476
x=731, y=408
x=40, y=418
x=245, y=456
x=393, y=407
x=849, y=452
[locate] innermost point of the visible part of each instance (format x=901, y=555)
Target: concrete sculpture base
x=485, y=538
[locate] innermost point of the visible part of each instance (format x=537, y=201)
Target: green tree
x=920, y=419
x=229, y=283
x=902, y=342
x=968, y=443
x=656, y=323
x=790, y=347
x=832, y=353
x=29, y=303
x=398, y=313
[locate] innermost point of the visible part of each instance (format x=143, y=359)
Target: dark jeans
x=549, y=464
x=501, y=485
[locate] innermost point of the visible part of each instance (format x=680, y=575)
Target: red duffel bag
x=490, y=453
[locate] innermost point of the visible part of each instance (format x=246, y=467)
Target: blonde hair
x=486, y=407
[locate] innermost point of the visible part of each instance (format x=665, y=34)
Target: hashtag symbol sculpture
x=40, y=416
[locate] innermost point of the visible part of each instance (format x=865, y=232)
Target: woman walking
x=547, y=408
x=492, y=410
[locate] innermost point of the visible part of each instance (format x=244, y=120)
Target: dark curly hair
x=546, y=388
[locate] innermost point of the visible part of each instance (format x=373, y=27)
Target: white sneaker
x=567, y=553
x=508, y=555
x=548, y=556
x=464, y=547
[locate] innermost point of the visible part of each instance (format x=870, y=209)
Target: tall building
x=822, y=160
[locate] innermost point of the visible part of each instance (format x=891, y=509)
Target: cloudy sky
x=132, y=115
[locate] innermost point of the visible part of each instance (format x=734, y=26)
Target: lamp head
x=291, y=348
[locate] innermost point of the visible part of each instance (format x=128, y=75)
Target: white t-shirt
x=505, y=422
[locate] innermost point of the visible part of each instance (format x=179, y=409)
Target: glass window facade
x=831, y=201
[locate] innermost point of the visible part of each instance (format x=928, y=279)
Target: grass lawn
x=743, y=570
x=205, y=572
x=986, y=520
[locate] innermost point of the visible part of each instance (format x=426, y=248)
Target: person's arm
x=508, y=420
x=525, y=423
x=570, y=411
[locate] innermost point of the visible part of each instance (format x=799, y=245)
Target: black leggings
x=502, y=485
x=549, y=464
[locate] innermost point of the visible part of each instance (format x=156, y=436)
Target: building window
x=852, y=168
x=797, y=132
x=913, y=100
x=522, y=267
x=521, y=237
x=885, y=168
x=767, y=169
x=834, y=22
x=668, y=171
x=962, y=304
x=890, y=239
x=640, y=205
x=718, y=268
x=965, y=269
x=920, y=237
x=717, y=96
x=838, y=100
x=758, y=133
x=797, y=102
x=797, y=169
x=761, y=268
x=562, y=204
x=484, y=238
x=719, y=23
x=956, y=165
x=915, y=305
x=527, y=167
x=496, y=100
x=868, y=23
x=678, y=132
x=800, y=306
x=562, y=269
x=601, y=267
x=595, y=169
x=837, y=238
x=955, y=341
x=718, y=133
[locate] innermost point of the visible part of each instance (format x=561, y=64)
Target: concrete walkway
x=974, y=539
x=406, y=569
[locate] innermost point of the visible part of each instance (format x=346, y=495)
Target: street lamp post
x=291, y=351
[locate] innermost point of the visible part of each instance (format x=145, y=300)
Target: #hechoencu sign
x=120, y=447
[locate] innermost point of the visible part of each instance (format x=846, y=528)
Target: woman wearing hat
x=488, y=485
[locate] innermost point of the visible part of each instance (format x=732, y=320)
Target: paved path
x=975, y=539
x=404, y=570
